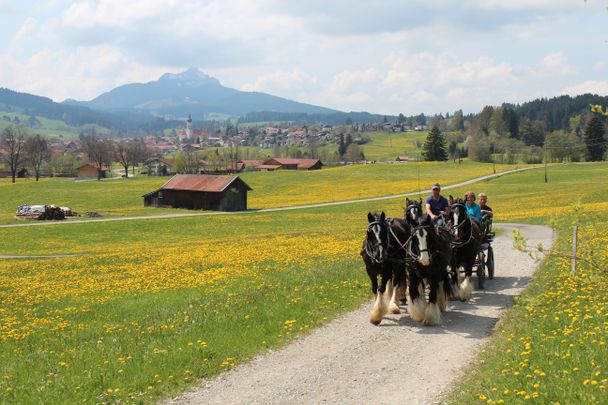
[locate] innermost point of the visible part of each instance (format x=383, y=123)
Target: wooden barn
x=200, y=192
x=89, y=170
x=290, y=164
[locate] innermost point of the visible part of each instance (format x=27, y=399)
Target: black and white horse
x=384, y=255
x=431, y=250
x=466, y=244
x=413, y=211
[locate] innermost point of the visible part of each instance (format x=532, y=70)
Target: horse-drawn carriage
x=432, y=257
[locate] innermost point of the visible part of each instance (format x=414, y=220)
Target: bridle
x=371, y=246
x=460, y=225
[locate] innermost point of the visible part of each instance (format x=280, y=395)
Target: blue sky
x=387, y=56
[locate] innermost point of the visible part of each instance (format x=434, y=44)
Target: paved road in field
x=350, y=361
x=295, y=207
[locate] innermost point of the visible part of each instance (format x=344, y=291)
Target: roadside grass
x=123, y=197
x=551, y=346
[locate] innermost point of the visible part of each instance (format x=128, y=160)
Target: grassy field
x=386, y=146
x=157, y=304
x=123, y=197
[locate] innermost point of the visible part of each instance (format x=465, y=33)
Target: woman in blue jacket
x=473, y=209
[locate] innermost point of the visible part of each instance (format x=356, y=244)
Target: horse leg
x=432, y=315
x=380, y=309
x=444, y=292
x=393, y=307
x=416, y=305
x=403, y=285
x=388, y=292
x=373, y=278
x=466, y=288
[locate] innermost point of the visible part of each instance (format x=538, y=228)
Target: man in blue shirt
x=473, y=209
x=436, y=204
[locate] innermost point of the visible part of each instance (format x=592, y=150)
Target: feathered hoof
x=416, y=309
x=374, y=321
x=466, y=289
x=378, y=311
x=432, y=315
x=394, y=308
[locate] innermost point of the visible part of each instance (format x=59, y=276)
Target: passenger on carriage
x=486, y=213
x=473, y=209
x=436, y=205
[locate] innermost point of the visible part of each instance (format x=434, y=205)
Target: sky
x=385, y=56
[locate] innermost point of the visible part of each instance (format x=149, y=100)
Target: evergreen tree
x=594, y=139
x=341, y=146
x=434, y=148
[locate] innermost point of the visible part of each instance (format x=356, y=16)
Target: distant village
x=190, y=150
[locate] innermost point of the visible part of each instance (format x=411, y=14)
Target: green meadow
x=154, y=305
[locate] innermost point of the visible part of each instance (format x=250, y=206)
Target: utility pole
x=545, y=147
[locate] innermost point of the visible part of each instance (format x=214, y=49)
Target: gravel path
x=350, y=361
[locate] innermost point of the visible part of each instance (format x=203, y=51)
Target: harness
x=391, y=235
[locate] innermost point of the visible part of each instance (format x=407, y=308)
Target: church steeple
x=189, y=127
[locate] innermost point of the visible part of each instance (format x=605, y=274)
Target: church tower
x=189, y=127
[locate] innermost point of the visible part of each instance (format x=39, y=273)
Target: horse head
x=422, y=244
x=376, y=240
x=413, y=211
x=458, y=217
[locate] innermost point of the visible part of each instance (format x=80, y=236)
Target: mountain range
x=174, y=96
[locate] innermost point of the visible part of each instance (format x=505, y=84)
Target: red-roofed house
x=88, y=170
x=291, y=164
x=201, y=192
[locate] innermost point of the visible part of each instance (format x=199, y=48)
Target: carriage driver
x=436, y=204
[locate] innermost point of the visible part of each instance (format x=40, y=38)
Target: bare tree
x=13, y=139
x=37, y=152
x=100, y=152
x=125, y=154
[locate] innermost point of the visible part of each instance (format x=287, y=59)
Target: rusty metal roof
x=301, y=163
x=200, y=182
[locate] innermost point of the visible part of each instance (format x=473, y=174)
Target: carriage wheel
x=481, y=274
x=490, y=263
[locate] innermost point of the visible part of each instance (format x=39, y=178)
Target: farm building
x=90, y=171
x=290, y=164
x=200, y=192
x=160, y=167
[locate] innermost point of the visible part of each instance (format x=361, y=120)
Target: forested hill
x=556, y=112
x=33, y=105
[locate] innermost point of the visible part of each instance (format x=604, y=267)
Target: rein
x=461, y=244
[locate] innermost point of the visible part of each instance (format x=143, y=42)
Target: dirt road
x=350, y=361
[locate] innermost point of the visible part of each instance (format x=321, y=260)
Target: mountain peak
x=192, y=76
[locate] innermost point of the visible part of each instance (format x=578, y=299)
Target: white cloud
x=556, y=63
x=589, y=86
x=350, y=81
x=82, y=74
x=482, y=71
x=281, y=81
x=26, y=29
